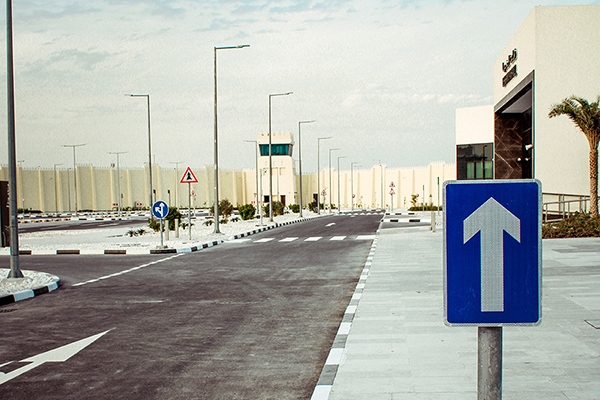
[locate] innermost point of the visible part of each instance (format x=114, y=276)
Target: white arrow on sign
x=160, y=208
x=60, y=354
x=492, y=219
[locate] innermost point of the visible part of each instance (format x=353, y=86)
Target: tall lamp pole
x=74, y=146
x=216, y=140
x=319, y=172
x=15, y=271
x=330, y=184
x=338, y=172
x=271, y=157
x=300, y=159
x=118, y=175
x=149, y=148
x=256, y=162
x=176, y=181
x=352, y=183
x=56, y=189
x=382, y=194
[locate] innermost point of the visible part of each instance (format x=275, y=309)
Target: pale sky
x=382, y=77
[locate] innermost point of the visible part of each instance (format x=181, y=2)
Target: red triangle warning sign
x=188, y=176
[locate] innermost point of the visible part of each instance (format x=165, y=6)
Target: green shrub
x=208, y=222
x=247, y=211
x=576, y=225
x=277, y=208
x=172, y=216
x=295, y=208
x=225, y=208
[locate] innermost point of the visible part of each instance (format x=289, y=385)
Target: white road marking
x=290, y=239
x=313, y=238
x=366, y=237
x=127, y=270
x=60, y=354
x=238, y=241
x=338, y=238
x=264, y=240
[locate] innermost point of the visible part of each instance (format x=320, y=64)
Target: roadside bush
x=247, y=211
x=295, y=208
x=277, y=208
x=576, y=225
x=428, y=207
x=225, y=208
x=172, y=216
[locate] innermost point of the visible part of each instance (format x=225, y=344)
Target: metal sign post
x=189, y=178
x=492, y=265
x=160, y=209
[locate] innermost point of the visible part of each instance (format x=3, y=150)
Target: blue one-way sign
x=492, y=252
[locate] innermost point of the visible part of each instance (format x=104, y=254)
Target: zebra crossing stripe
x=313, y=239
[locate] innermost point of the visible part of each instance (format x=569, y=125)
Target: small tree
x=587, y=118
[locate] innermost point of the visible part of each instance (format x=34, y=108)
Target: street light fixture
x=300, y=159
x=338, y=172
x=216, y=140
x=149, y=148
x=330, y=184
x=74, y=169
x=271, y=157
x=319, y=172
x=118, y=175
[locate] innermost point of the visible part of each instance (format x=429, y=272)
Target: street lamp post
x=118, y=175
x=338, y=172
x=271, y=157
x=74, y=170
x=15, y=270
x=149, y=149
x=319, y=172
x=176, y=181
x=216, y=140
x=56, y=189
x=256, y=162
x=330, y=184
x=352, y=183
x=300, y=159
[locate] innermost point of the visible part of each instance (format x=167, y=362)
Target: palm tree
x=587, y=118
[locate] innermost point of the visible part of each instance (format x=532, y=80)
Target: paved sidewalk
x=399, y=348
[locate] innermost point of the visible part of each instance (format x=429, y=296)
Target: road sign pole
x=162, y=246
x=190, y=211
x=489, y=363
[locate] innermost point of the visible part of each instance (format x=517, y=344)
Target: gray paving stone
x=399, y=348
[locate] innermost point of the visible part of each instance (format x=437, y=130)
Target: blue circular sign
x=160, y=209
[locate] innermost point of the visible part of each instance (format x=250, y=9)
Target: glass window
x=278, y=149
x=475, y=161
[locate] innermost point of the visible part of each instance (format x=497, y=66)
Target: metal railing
x=563, y=206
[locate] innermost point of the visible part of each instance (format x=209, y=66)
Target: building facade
x=553, y=55
x=50, y=190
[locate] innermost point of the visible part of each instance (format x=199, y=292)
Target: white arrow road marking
x=492, y=219
x=328, y=225
x=60, y=354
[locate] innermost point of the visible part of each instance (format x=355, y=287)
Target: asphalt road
x=83, y=224
x=250, y=319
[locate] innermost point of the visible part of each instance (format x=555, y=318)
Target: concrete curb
x=27, y=294
x=329, y=371
x=145, y=251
